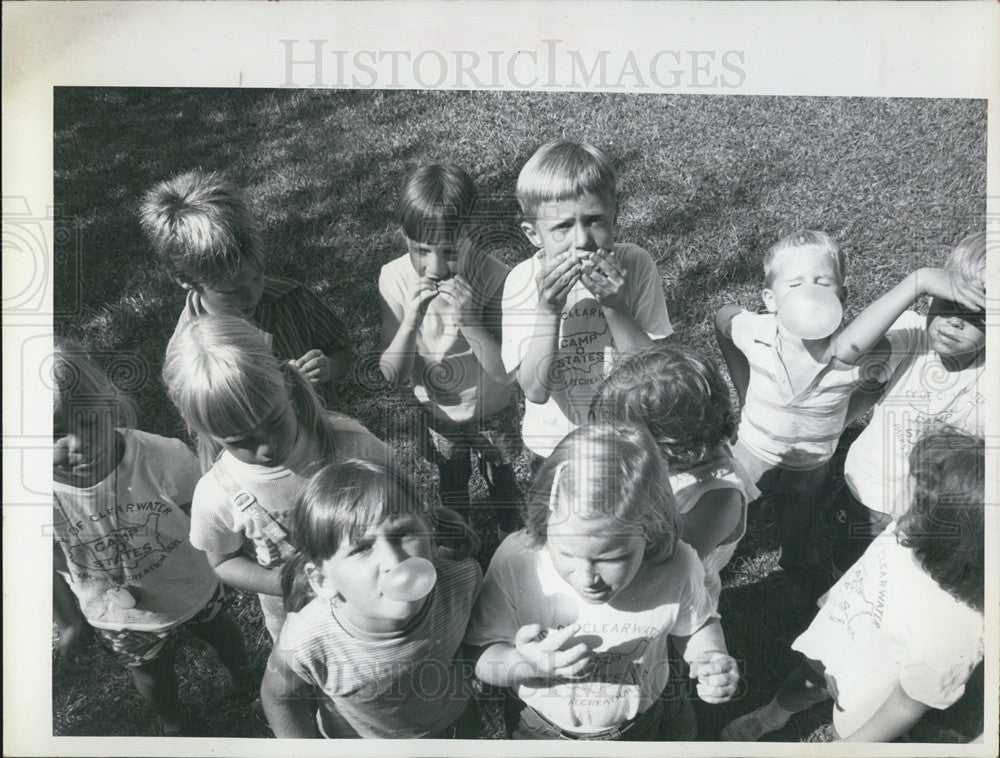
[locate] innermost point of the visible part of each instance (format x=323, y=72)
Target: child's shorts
x=134, y=648
x=525, y=723
x=497, y=438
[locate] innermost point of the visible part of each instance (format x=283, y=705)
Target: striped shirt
x=792, y=430
x=294, y=319
x=403, y=685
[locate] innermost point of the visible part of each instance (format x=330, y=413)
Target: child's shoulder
x=464, y=573
x=355, y=440
x=399, y=267
x=277, y=287
x=750, y=325
x=516, y=550
x=631, y=250
x=154, y=444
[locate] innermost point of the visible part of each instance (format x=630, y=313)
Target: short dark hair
x=679, y=395
x=945, y=525
x=436, y=202
x=343, y=499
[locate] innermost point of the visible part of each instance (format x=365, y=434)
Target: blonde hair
x=803, y=239
x=968, y=257
x=79, y=384
x=609, y=472
x=200, y=227
x=224, y=380
x=564, y=170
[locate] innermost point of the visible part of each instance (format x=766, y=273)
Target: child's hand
x=417, y=300
x=604, y=276
x=459, y=295
x=542, y=649
x=315, y=366
x=555, y=282
x=717, y=675
x=937, y=282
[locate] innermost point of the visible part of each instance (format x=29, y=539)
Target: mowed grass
x=705, y=184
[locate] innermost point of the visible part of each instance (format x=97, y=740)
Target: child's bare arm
x=286, y=700
x=65, y=612
x=713, y=667
x=870, y=326
x=604, y=275
x=534, y=656
x=736, y=361
x=243, y=573
x=470, y=317
x=895, y=717
x=399, y=331
x=534, y=373
x=715, y=517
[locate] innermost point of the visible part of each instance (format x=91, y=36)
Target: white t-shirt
x=629, y=634
x=217, y=526
x=921, y=392
x=586, y=349
x=723, y=473
x=128, y=530
x=886, y=622
x=447, y=376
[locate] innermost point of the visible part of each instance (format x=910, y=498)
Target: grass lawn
x=706, y=184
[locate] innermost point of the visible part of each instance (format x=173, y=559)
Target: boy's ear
x=769, y=302
x=531, y=233
x=185, y=284
x=319, y=583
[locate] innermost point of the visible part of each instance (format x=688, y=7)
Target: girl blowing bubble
x=381, y=636
x=120, y=502
x=261, y=429
x=577, y=608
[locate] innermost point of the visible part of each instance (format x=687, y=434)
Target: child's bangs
x=381, y=500
x=560, y=184
x=346, y=500
x=431, y=224
x=230, y=408
x=561, y=171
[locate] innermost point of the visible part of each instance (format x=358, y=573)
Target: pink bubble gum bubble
x=411, y=580
x=811, y=312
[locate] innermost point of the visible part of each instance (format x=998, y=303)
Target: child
x=938, y=363
x=201, y=229
x=581, y=298
x=440, y=306
x=884, y=658
x=260, y=427
x=120, y=522
x=576, y=609
x=797, y=389
x=385, y=666
x=682, y=399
